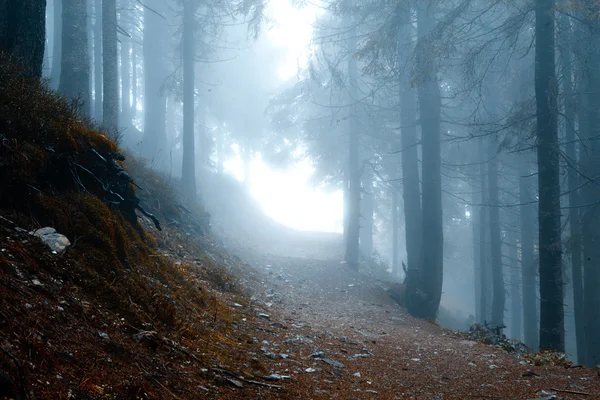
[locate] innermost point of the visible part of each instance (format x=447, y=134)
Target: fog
x=456, y=137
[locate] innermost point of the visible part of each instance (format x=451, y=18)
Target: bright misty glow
x=292, y=30
x=288, y=197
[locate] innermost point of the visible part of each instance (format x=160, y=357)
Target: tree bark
x=75, y=65
x=354, y=189
x=574, y=247
x=516, y=321
x=528, y=275
x=590, y=193
x=125, y=83
x=498, y=296
x=155, y=73
x=188, y=172
x=395, y=233
x=548, y=151
x=110, y=67
x=367, y=203
x=23, y=34
x=98, y=103
x=56, y=44
x=485, y=288
x=432, y=271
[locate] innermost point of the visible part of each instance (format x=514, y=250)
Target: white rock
x=58, y=243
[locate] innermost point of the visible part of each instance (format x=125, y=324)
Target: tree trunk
x=188, y=172
x=98, y=103
x=498, y=296
x=410, y=152
x=475, y=225
x=353, y=234
x=516, y=321
x=75, y=65
x=110, y=67
x=590, y=228
x=155, y=106
x=56, y=45
x=23, y=34
x=484, y=248
x=432, y=271
x=134, y=81
x=548, y=151
x=125, y=83
x=90, y=52
x=528, y=276
x=366, y=226
x=573, y=184
x=395, y=233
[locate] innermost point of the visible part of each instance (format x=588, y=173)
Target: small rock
x=28, y=306
x=265, y=316
x=36, y=282
x=333, y=362
x=316, y=354
x=55, y=241
x=235, y=383
x=310, y=370
x=357, y=374
x=104, y=335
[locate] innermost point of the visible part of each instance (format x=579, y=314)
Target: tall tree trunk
x=395, y=233
x=125, y=83
x=548, y=151
x=90, y=52
x=188, y=172
x=134, y=81
x=484, y=247
x=432, y=271
x=155, y=130
x=475, y=225
x=498, y=296
x=110, y=66
x=410, y=149
x=590, y=194
x=56, y=44
x=528, y=275
x=98, y=85
x=353, y=234
x=23, y=34
x=75, y=65
x=516, y=321
x=367, y=204
x=573, y=184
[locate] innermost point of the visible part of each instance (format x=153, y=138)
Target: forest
x=463, y=134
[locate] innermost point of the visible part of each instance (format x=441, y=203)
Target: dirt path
x=343, y=337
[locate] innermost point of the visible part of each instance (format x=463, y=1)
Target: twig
x=570, y=391
x=8, y=221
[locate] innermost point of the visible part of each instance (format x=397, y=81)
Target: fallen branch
x=570, y=391
x=236, y=376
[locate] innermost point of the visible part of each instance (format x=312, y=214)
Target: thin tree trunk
x=484, y=286
x=110, y=67
x=498, y=296
x=548, y=151
x=98, y=85
x=528, y=275
x=134, y=81
x=516, y=323
x=475, y=225
x=125, y=83
x=395, y=233
x=353, y=235
x=432, y=271
x=367, y=204
x=75, y=65
x=57, y=45
x=188, y=172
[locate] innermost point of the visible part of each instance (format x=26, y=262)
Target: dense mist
x=462, y=135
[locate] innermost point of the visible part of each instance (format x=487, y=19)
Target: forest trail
x=343, y=337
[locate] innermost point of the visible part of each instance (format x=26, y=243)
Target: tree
x=75, y=63
x=188, y=171
x=98, y=85
x=432, y=263
x=548, y=152
x=23, y=33
x=110, y=66
x=56, y=43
